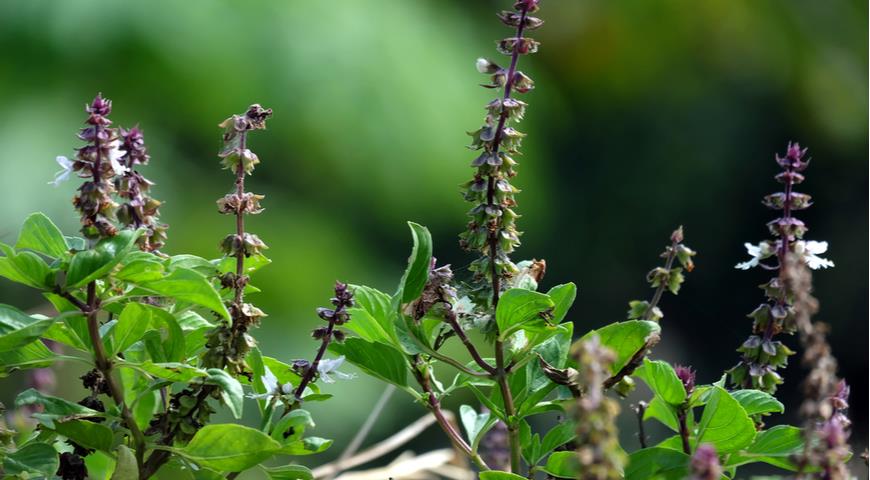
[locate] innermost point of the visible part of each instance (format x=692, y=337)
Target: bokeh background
x=647, y=115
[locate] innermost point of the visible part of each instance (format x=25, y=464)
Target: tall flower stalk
x=762, y=355
x=241, y=161
x=492, y=231
x=98, y=161
x=228, y=344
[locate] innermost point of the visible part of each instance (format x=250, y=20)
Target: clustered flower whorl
x=825, y=395
x=762, y=355
x=492, y=230
x=98, y=161
x=598, y=450
x=140, y=210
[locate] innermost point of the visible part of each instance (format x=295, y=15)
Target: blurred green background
x=647, y=115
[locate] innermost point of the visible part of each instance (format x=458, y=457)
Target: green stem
x=509, y=409
x=104, y=365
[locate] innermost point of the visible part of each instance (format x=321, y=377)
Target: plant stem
x=240, y=222
x=669, y=263
x=509, y=409
x=450, y=316
x=684, y=431
x=641, y=435
x=435, y=406
x=104, y=365
x=312, y=369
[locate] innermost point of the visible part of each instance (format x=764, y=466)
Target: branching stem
x=421, y=372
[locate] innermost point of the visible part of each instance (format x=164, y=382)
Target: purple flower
x=705, y=463
x=687, y=376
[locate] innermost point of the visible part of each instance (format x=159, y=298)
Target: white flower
x=327, y=367
x=809, y=251
x=485, y=66
x=757, y=252
x=115, y=155
x=273, y=389
x=62, y=175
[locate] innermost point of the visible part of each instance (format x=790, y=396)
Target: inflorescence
x=762, y=355
x=492, y=230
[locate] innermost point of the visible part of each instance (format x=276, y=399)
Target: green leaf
x=165, y=330
x=172, y=371
x=298, y=420
x=289, y=472
x=756, y=402
x=559, y=435
x=283, y=372
x=366, y=326
x=190, y=321
x=625, y=339
x=663, y=412
x=89, y=265
x=417, y=273
x=662, y=380
x=725, y=423
x=777, y=447
x=229, y=447
x=33, y=458
x=475, y=424
x=306, y=446
x=231, y=390
x=87, y=434
x=376, y=359
x=562, y=465
x=132, y=324
x=658, y=463
x=494, y=475
x=42, y=236
x=33, y=355
x=518, y=307
x=563, y=297
x=142, y=268
x=54, y=408
x=189, y=286
x=251, y=264
x=126, y=467
x=199, y=264
x=26, y=268
x=378, y=305
x=18, y=329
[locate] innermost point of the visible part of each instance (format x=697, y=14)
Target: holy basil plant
x=166, y=342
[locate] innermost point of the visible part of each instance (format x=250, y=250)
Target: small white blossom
x=273, y=389
x=326, y=367
x=809, y=251
x=115, y=155
x=63, y=174
x=757, y=252
x=486, y=66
